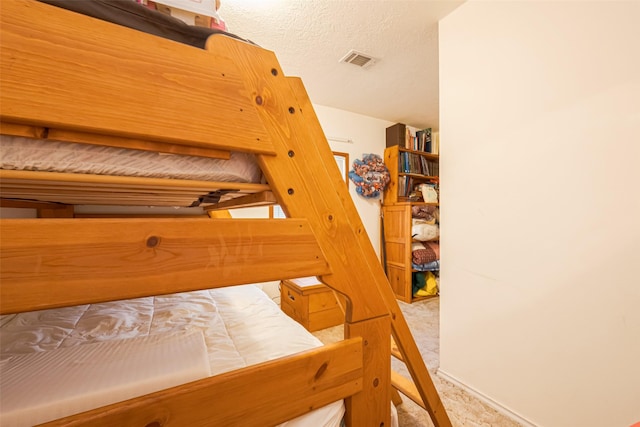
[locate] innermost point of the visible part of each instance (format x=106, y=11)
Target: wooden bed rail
x=87, y=189
x=125, y=83
x=290, y=387
x=47, y=263
x=39, y=132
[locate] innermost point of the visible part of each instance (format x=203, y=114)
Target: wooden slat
x=77, y=197
x=119, y=215
x=219, y=214
x=57, y=262
x=396, y=399
x=288, y=388
x=26, y=204
x=406, y=387
x=76, y=189
x=21, y=130
x=53, y=75
x=142, y=200
x=94, y=181
x=395, y=352
x=257, y=199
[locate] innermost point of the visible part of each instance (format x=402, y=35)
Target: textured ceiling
x=309, y=38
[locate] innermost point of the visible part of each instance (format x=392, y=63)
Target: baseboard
x=485, y=399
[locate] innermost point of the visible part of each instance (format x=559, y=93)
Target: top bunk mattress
x=50, y=359
x=20, y=153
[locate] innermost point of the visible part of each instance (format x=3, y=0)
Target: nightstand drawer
x=311, y=303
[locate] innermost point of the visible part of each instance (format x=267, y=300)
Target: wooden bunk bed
x=69, y=77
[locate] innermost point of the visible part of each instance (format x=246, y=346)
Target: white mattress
x=20, y=153
x=222, y=323
x=38, y=387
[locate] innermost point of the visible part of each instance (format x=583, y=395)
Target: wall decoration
x=370, y=175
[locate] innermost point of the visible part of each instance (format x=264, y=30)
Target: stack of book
x=409, y=162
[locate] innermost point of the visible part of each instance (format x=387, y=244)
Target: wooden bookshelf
x=406, y=169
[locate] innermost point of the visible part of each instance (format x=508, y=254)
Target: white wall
x=540, y=165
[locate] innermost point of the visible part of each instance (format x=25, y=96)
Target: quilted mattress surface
x=54, y=362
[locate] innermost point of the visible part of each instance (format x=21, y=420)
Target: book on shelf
x=414, y=163
x=423, y=140
x=435, y=144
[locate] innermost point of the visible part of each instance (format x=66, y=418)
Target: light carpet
x=464, y=409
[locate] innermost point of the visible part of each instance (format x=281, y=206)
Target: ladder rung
x=406, y=387
x=395, y=351
x=396, y=399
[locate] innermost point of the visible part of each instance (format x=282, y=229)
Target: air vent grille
x=358, y=58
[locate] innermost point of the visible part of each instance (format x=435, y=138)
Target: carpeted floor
x=464, y=410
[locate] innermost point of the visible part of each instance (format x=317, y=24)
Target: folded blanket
x=423, y=232
x=428, y=213
x=432, y=266
x=425, y=252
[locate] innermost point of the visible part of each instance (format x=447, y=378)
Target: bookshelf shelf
x=419, y=175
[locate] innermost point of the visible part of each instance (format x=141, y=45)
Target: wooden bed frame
x=70, y=77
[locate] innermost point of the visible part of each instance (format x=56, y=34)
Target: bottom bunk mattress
x=63, y=361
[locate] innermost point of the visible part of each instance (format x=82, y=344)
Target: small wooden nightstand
x=310, y=303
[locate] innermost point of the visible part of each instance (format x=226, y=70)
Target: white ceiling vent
x=358, y=58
